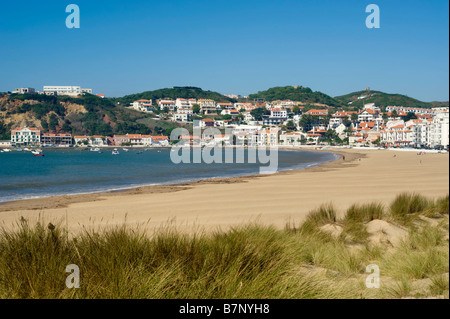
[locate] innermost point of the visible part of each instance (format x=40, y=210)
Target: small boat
x=37, y=153
x=115, y=152
x=139, y=152
x=6, y=150
x=19, y=150
x=26, y=149
x=95, y=149
x=125, y=149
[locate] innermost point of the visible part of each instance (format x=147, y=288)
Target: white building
x=142, y=105
x=440, y=129
x=227, y=105
x=367, y=115
x=250, y=129
x=65, y=90
x=181, y=117
x=415, y=110
x=292, y=138
x=268, y=137
x=24, y=91
x=166, y=103
x=25, y=136
x=81, y=139
x=97, y=141
x=207, y=105
x=229, y=112
x=185, y=103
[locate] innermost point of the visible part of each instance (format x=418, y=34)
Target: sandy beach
x=364, y=176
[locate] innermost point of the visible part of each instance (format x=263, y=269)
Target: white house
x=81, y=139
x=226, y=105
x=181, y=117
x=98, y=141
x=185, y=103
x=142, y=105
x=229, y=112
x=367, y=115
x=292, y=138
x=24, y=91
x=166, y=103
x=146, y=140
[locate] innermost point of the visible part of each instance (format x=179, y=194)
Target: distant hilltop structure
x=65, y=90
x=24, y=91
x=69, y=90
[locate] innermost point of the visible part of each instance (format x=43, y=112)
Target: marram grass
x=250, y=261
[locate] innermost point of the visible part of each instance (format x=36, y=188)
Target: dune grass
x=251, y=261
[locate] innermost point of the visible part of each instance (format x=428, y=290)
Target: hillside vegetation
x=384, y=99
x=300, y=94
x=186, y=92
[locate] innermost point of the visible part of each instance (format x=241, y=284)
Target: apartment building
x=25, y=136
x=170, y=104
x=61, y=140
x=207, y=105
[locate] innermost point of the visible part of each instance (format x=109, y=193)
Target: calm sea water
x=74, y=171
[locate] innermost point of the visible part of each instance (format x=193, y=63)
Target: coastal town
x=258, y=123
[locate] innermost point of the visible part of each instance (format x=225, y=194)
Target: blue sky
x=233, y=47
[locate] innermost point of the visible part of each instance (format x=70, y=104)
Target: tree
x=377, y=141
x=410, y=116
x=258, y=113
x=290, y=126
x=53, y=122
x=196, y=108
x=44, y=124
x=307, y=121
x=226, y=117
x=296, y=109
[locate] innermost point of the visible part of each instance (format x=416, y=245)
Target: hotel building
x=65, y=90
x=25, y=136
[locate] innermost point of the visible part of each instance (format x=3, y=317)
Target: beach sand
x=364, y=176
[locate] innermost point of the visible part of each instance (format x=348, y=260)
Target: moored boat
x=37, y=153
x=115, y=152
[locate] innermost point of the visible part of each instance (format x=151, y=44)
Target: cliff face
x=18, y=113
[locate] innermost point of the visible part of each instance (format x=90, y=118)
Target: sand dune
x=364, y=176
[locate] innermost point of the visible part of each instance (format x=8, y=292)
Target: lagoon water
x=75, y=171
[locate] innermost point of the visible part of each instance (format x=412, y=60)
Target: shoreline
x=61, y=201
x=218, y=204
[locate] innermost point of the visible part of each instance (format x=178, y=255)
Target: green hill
x=297, y=93
x=186, y=92
x=358, y=99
